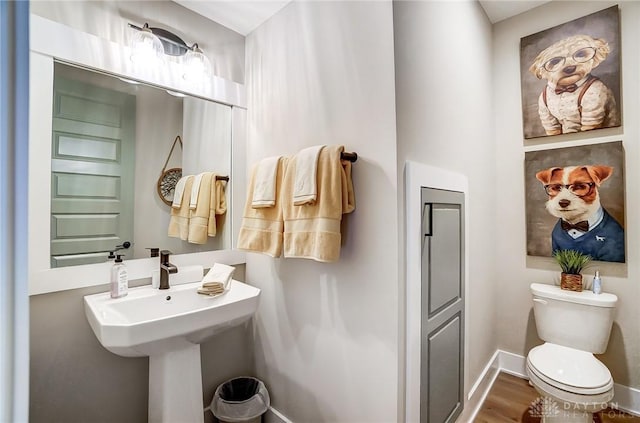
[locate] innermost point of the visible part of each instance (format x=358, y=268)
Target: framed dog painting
x=575, y=201
x=570, y=76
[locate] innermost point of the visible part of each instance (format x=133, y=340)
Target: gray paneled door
x=442, y=322
x=92, y=171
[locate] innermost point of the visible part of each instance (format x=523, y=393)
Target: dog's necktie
x=566, y=88
x=582, y=226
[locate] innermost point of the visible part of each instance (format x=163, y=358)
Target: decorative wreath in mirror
x=169, y=177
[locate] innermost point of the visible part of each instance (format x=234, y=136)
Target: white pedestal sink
x=169, y=326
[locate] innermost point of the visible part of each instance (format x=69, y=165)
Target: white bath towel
x=179, y=191
x=195, y=190
x=219, y=273
x=305, y=188
x=264, y=193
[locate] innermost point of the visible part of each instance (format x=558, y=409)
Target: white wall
x=443, y=99
x=326, y=334
x=515, y=324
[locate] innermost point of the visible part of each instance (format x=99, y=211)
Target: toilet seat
x=570, y=370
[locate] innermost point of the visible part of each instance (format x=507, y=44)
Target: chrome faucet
x=166, y=268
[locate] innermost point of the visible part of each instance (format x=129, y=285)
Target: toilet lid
x=570, y=367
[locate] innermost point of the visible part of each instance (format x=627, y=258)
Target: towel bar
x=352, y=157
x=222, y=178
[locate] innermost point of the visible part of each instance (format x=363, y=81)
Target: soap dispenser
x=119, y=278
x=597, y=283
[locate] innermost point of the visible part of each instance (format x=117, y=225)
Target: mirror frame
x=51, y=41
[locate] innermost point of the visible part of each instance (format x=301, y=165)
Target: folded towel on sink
x=219, y=276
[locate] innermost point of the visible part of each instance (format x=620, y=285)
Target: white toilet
x=574, y=326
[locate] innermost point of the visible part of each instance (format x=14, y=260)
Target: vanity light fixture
x=197, y=64
x=149, y=42
x=146, y=46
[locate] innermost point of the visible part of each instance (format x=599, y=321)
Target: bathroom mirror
x=53, y=45
x=111, y=139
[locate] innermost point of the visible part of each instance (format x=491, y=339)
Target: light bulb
x=196, y=65
x=147, y=48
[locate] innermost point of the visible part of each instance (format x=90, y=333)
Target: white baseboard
x=626, y=399
x=513, y=364
x=480, y=389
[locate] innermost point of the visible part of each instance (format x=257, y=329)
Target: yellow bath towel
x=179, y=221
x=199, y=217
x=217, y=204
x=261, y=228
x=313, y=230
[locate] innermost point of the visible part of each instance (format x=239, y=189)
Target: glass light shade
x=146, y=47
x=197, y=66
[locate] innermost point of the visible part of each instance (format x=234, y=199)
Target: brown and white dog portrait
x=574, y=100
x=583, y=225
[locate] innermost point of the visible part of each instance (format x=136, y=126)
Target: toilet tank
x=580, y=320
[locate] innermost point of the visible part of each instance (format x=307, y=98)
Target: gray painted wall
x=74, y=379
x=444, y=85
x=327, y=333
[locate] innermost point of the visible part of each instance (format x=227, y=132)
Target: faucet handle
x=164, y=256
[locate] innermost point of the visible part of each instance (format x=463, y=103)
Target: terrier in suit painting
x=574, y=100
x=583, y=224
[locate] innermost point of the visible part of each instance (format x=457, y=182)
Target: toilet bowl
x=576, y=382
x=575, y=325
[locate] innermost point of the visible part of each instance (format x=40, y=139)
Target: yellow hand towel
x=179, y=221
x=199, y=217
x=313, y=230
x=217, y=204
x=261, y=229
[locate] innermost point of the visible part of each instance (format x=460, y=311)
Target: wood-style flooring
x=510, y=398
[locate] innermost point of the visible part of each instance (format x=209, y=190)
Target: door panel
x=78, y=185
x=72, y=146
x=445, y=250
x=76, y=226
x=442, y=298
x=443, y=362
x=92, y=172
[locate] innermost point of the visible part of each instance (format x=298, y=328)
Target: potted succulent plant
x=571, y=262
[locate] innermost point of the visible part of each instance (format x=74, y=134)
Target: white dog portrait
x=574, y=99
x=570, y=76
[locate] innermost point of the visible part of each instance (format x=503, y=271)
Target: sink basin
x=169, y=326
x=149, y=321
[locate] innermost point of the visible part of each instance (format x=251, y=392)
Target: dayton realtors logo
x=548, y=407
x=544, y=407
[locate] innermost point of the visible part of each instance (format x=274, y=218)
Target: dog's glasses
x=580, y=56
x=579, y=188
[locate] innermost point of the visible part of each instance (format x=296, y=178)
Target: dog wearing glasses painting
x=574, y=100
x=583, y=224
